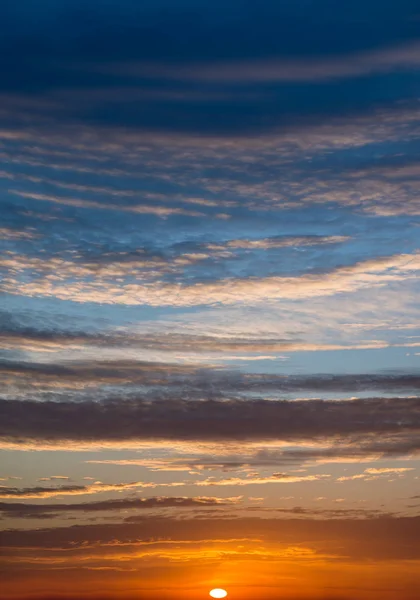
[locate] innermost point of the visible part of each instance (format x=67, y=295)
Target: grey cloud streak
x=198, y=379
x=176, y=419
x=20, y=510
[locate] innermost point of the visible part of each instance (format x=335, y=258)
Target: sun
x=218, y=593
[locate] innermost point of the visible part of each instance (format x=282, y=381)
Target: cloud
x=101, y=371
x=30, y=511
x=177, y=377
x=279, y=242
x=76, y=490
x=375, y=473
x=175, y=419
x=283, y=69
x=357, y=450
x=367, y=274
x=252, y=480
x=389, y=123
x=39, y=341
x=15, y=234
x=160, y=211
x=53, y=478
x=338, y=513
x=381, y=538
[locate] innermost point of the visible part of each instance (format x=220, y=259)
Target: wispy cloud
x=75, y=490
x=284, y=70
x=253, y=480
x=16, y=234
x=373, y=473
x=160, y=211
x=365, y=274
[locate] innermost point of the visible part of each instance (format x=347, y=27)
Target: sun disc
x=218, y=593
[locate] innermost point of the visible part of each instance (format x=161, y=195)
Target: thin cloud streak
x=30, y=511
x=286, y=70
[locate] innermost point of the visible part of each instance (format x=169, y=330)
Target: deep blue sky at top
x=48, y=47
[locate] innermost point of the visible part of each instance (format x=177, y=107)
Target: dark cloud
x=337, y=513
x=41, y=511
x=41, y=491
x=207, y=419
x=97, y=370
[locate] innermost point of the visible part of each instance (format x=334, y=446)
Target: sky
x=209, y=316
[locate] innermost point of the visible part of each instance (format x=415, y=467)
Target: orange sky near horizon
x=328, y=559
